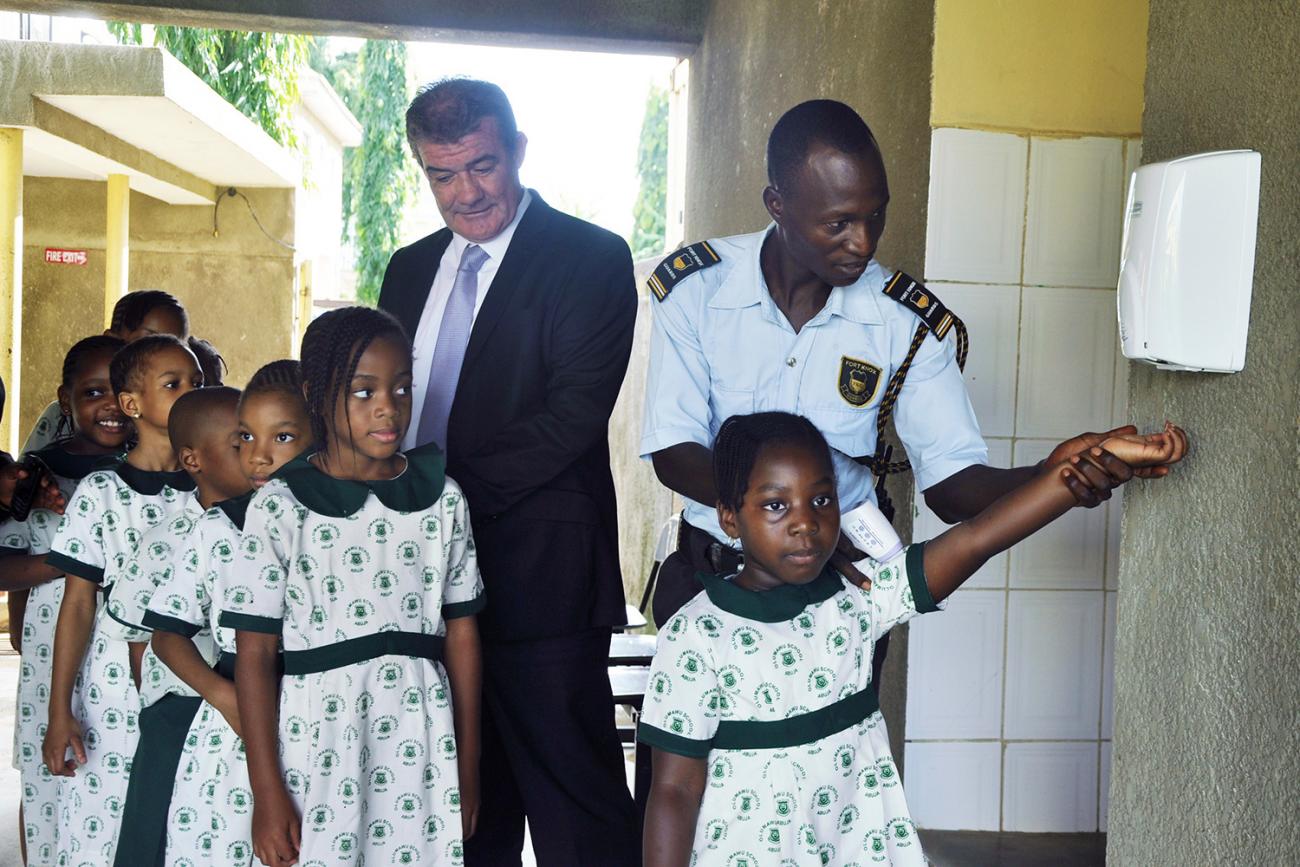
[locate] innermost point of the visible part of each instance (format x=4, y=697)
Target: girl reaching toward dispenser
x=768, y=744
x=359, y=560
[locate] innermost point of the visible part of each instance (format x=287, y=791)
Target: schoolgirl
x=210, y=821
x=90, y=427
x=202, y=429
x=359, y=558
x=768, y=744
x=92, y=735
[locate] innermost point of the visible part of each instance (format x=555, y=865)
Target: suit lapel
x=408, y=306
x=527, y=241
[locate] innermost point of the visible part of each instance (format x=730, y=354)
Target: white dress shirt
x=426, y=333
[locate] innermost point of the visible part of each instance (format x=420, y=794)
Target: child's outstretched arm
x=676, y=788
x=954, y=556
x=71, y=635
x=464, y=664
x=277, y=827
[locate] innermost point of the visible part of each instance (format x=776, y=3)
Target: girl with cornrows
x=359, y=560
x=769, y=747
x=92, y=734
x=90, y=428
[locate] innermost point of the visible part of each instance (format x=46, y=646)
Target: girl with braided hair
x=768, y=744
x=358, y=560
x=90, y=428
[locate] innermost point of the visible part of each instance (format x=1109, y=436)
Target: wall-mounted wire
x=231, y=192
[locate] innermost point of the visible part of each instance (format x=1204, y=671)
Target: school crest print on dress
x=358, y=579
x=102, y=526
x=774, y=688
x=35, y=536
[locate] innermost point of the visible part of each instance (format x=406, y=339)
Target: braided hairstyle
x=741, y=440
x=124, y=369
x=80, y=351
x=284, y=375
x=131, y=309
x=331, y=348
x=210, y=360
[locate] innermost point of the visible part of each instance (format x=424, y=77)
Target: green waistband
x=354, y=650
x=802, y=729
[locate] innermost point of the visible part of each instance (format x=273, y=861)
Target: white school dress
x=34, y=536
x=774, y=690
x=211, y=817
x=359, y=579
x=102, y=526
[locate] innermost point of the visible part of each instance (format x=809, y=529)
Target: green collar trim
x=236, y=508
x=771, y=606
x=415, y=489
x=147, y=482
x=67, y=465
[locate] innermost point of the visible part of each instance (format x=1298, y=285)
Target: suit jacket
x=527, y=438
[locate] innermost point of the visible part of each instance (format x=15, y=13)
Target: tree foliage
x=650, y=212
x=379, y=176
x=257, y=73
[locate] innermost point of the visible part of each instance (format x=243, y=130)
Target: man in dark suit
x=521, y=319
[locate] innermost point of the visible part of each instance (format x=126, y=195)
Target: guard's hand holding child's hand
x=1140, y=451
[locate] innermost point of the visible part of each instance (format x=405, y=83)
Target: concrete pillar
x=11, y=280
x=117, y=243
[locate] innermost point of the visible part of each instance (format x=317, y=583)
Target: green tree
x=379, y=177
x=650, y=212
x=257, y=73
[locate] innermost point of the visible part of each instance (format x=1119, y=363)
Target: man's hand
x=1089, y=497
x=845, y=555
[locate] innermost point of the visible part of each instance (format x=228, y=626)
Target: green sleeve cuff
x=69, y=566
x=251, y=623
x=671, y=743
x=162, y=623
x=453, y=610
x=921, y=595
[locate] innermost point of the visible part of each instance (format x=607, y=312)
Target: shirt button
x=791, y=361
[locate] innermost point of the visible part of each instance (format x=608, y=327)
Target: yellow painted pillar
x=11, y=280
x=304, y=303
x=117, y=243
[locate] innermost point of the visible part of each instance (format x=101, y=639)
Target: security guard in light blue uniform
x=721, y=347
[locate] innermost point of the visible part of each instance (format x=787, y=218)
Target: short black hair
x=742, y=438
x=124, y=369
x=211, y=362
x=284, y=374
x=190, y=421
x=816, y=122
x=331, y=348
x=131, y=309
x=449, y=109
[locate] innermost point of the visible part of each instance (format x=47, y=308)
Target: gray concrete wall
x=760, y=58
x=1207, y=729
x=238, y=287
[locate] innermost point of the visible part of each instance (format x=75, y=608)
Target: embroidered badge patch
x=858, y=381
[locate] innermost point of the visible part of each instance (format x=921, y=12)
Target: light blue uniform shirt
x=721, y=347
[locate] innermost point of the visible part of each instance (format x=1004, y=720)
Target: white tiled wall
x=1009, y=690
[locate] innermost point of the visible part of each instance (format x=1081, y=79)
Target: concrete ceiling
x=643, y=26
x=48, y=156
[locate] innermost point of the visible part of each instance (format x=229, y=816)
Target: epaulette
x=913, y=295
x=679, y=265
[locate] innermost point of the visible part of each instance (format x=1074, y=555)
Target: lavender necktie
x=449, y=351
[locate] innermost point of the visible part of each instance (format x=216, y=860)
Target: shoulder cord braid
x=879, y=463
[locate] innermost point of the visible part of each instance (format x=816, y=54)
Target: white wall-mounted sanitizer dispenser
x=1188, y=261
